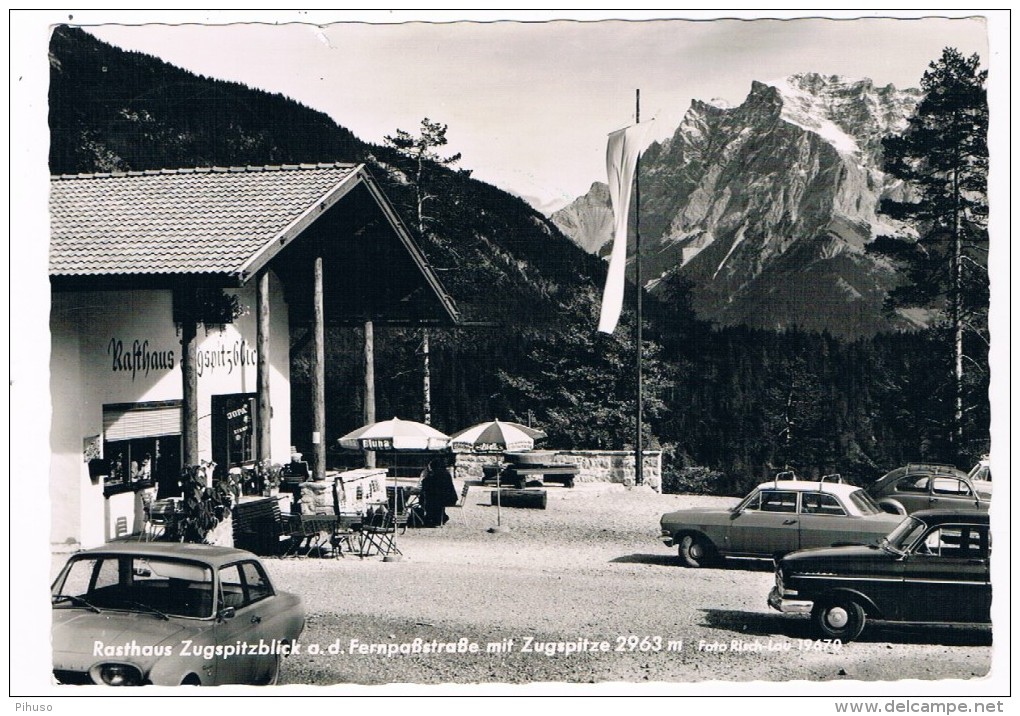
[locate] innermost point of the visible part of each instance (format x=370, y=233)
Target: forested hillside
x=737, y=401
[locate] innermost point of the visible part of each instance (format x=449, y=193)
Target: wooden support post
x=189, y=370
x=319, y=379
x=265, y=405
x=427, y=378
x=369, y=406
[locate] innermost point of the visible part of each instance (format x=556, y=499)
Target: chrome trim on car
x=886, y=579
x=945, y=581
x=788, y=606
x=846, y=578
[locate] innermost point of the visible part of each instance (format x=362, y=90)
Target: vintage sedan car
x=932, y=569
x=777, y=517
x=129, y=614
x=923, y=486
x=982, y=471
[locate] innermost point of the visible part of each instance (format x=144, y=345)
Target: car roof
x=834, y=488
x=932, y=517
x=214, y=555
x=921, y=468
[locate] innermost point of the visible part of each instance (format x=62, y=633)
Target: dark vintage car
x=130, y=614
x=775, y=518
x=932, y=569
x=923, y=486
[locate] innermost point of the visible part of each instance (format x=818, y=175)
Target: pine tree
x=942, y=158
x=421, y=150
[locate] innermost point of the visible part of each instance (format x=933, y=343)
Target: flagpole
x=639, y=462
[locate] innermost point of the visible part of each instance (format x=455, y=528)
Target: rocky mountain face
x=767, y=207
x=588, y=220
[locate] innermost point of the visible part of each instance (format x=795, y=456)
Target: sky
x=529, y=104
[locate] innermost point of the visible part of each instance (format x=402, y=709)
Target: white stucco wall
x=99, y=340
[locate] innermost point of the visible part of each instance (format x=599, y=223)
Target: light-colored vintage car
x=776, y=518
x=129, y=614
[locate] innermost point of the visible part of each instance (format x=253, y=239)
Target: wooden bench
x=521, y=475
x=259, y=527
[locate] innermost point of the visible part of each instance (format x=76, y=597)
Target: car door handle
x=789, y=522
x=256, y=619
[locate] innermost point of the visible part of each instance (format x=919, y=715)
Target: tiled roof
x=182, y=220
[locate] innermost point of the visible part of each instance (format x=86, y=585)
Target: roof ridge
x=208, y=170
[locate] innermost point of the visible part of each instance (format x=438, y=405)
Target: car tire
x=695, y=551
x=839, y=618
x=272, y=678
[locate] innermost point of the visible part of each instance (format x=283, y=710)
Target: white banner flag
x=625, y=145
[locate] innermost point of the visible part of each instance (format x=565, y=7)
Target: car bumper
x=667, y=540
x=788, y=606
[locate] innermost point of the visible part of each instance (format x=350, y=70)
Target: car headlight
x=116, y=675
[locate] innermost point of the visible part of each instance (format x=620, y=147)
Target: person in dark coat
x=437, y=493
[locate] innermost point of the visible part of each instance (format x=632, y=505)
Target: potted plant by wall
x=202, y=508
x=269, y=475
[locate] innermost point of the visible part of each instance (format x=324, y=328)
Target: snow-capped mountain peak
x=767, y=206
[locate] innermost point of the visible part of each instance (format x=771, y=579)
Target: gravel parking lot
x=582, y=592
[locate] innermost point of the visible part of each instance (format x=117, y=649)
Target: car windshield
x=981, y=473
x=905, y=534
x=161, y=586
x=864, y=502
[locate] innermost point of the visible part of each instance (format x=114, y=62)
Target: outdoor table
x=308, y=532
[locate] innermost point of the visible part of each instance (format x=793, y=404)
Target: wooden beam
x=265, y=404
x=189, y=391
x=369, y=404
x=319, y=377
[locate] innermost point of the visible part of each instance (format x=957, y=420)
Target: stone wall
x=594, y=465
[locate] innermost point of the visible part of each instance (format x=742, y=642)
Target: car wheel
x=840, y=618
x=191, y=680
x=695, y=551
x=272, y=677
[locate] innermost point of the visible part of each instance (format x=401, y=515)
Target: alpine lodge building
x=175, y=298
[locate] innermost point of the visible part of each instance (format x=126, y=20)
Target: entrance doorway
x=234, y=433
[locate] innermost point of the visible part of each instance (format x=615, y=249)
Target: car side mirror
x=226, y=613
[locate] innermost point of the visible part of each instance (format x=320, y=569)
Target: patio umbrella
x=494, y=437
x=533, y=432
x=395, y=434
x=392, y=436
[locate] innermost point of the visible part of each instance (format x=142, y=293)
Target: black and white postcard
x=504, y=353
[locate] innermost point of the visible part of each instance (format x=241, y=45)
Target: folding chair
x=463, y=499
x=378, y=533
x=154, y=515
x=396, y=503
x=346, y=531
